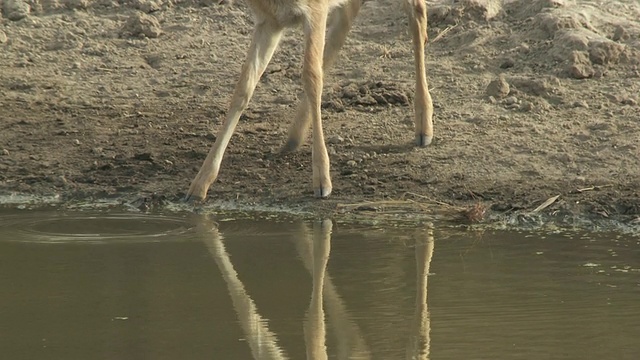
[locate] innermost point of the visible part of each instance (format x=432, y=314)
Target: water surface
x=102, y=285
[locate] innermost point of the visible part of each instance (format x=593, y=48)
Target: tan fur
x=316, y=16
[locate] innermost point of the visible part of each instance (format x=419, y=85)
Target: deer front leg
x=314, y=28
x=265, y=39
x=340, y=22
x=417, y=12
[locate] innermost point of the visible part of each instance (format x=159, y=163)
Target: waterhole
x=103, y=285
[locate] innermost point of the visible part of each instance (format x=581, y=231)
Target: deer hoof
x=323, y=192
x=423, y=140
x=290, y=146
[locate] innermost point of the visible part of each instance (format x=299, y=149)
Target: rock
x=3, y=37
x=581, y=104
x=147, y=6
x=620, y=34
x=481, y=9
x=526, y=106
x=605, y=52
x=77, y=4
x=16, y=10
x=142, y=25
x=507, y=63
x=498, y=88
x=336, y=139
x=511, y=100
x=437, y=14
x=580, y=66
x=580, y=71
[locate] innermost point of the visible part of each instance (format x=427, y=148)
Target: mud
x=122, y=99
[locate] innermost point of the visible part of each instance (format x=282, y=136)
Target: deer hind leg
x=340, y=21
x=314, y=31
x=417, y=12
x=265, y=40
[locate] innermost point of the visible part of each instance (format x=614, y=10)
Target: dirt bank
x=533, y=99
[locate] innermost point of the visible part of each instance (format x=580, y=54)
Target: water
x=82, y=285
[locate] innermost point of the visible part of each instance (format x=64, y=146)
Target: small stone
x=507, y=63
x=5, y=152
x=526, y=106
x=352, y=163
x=3, y=37
x=336, y=139
x=581, y=71
x=620, y=34
x=77, y=4
x=511, y=100
x=580, y=104
x=76, y=142
x=498, y=88
x=629, y=101
x=524, y=48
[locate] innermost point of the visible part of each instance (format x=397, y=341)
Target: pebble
x=581, y=104
x=510, y=100
x=336, y=139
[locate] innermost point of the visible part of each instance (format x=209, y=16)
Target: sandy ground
x=533, y=99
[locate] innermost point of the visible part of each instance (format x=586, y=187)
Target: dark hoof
x=322, y=193
x=290, y=146
x=193, y=199
x=423, y=140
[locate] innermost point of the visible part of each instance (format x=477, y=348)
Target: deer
x=325, y=26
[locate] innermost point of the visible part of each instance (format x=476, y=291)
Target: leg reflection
x=313, y=247
x=314, y=326
x=263, y=343
x=420, y=340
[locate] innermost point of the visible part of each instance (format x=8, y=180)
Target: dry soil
x=123, y=98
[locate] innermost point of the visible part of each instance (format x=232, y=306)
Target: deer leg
x=340, y=22
x=314, y=31
x=265, y=40
x=417, y=12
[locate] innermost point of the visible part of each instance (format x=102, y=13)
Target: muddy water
x=127, y=286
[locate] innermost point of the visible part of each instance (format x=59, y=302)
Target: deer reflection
x=420, y=338
x=313, y=244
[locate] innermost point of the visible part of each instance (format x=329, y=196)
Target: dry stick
x=443, y=33
x=545, y=204
x=595, y=187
